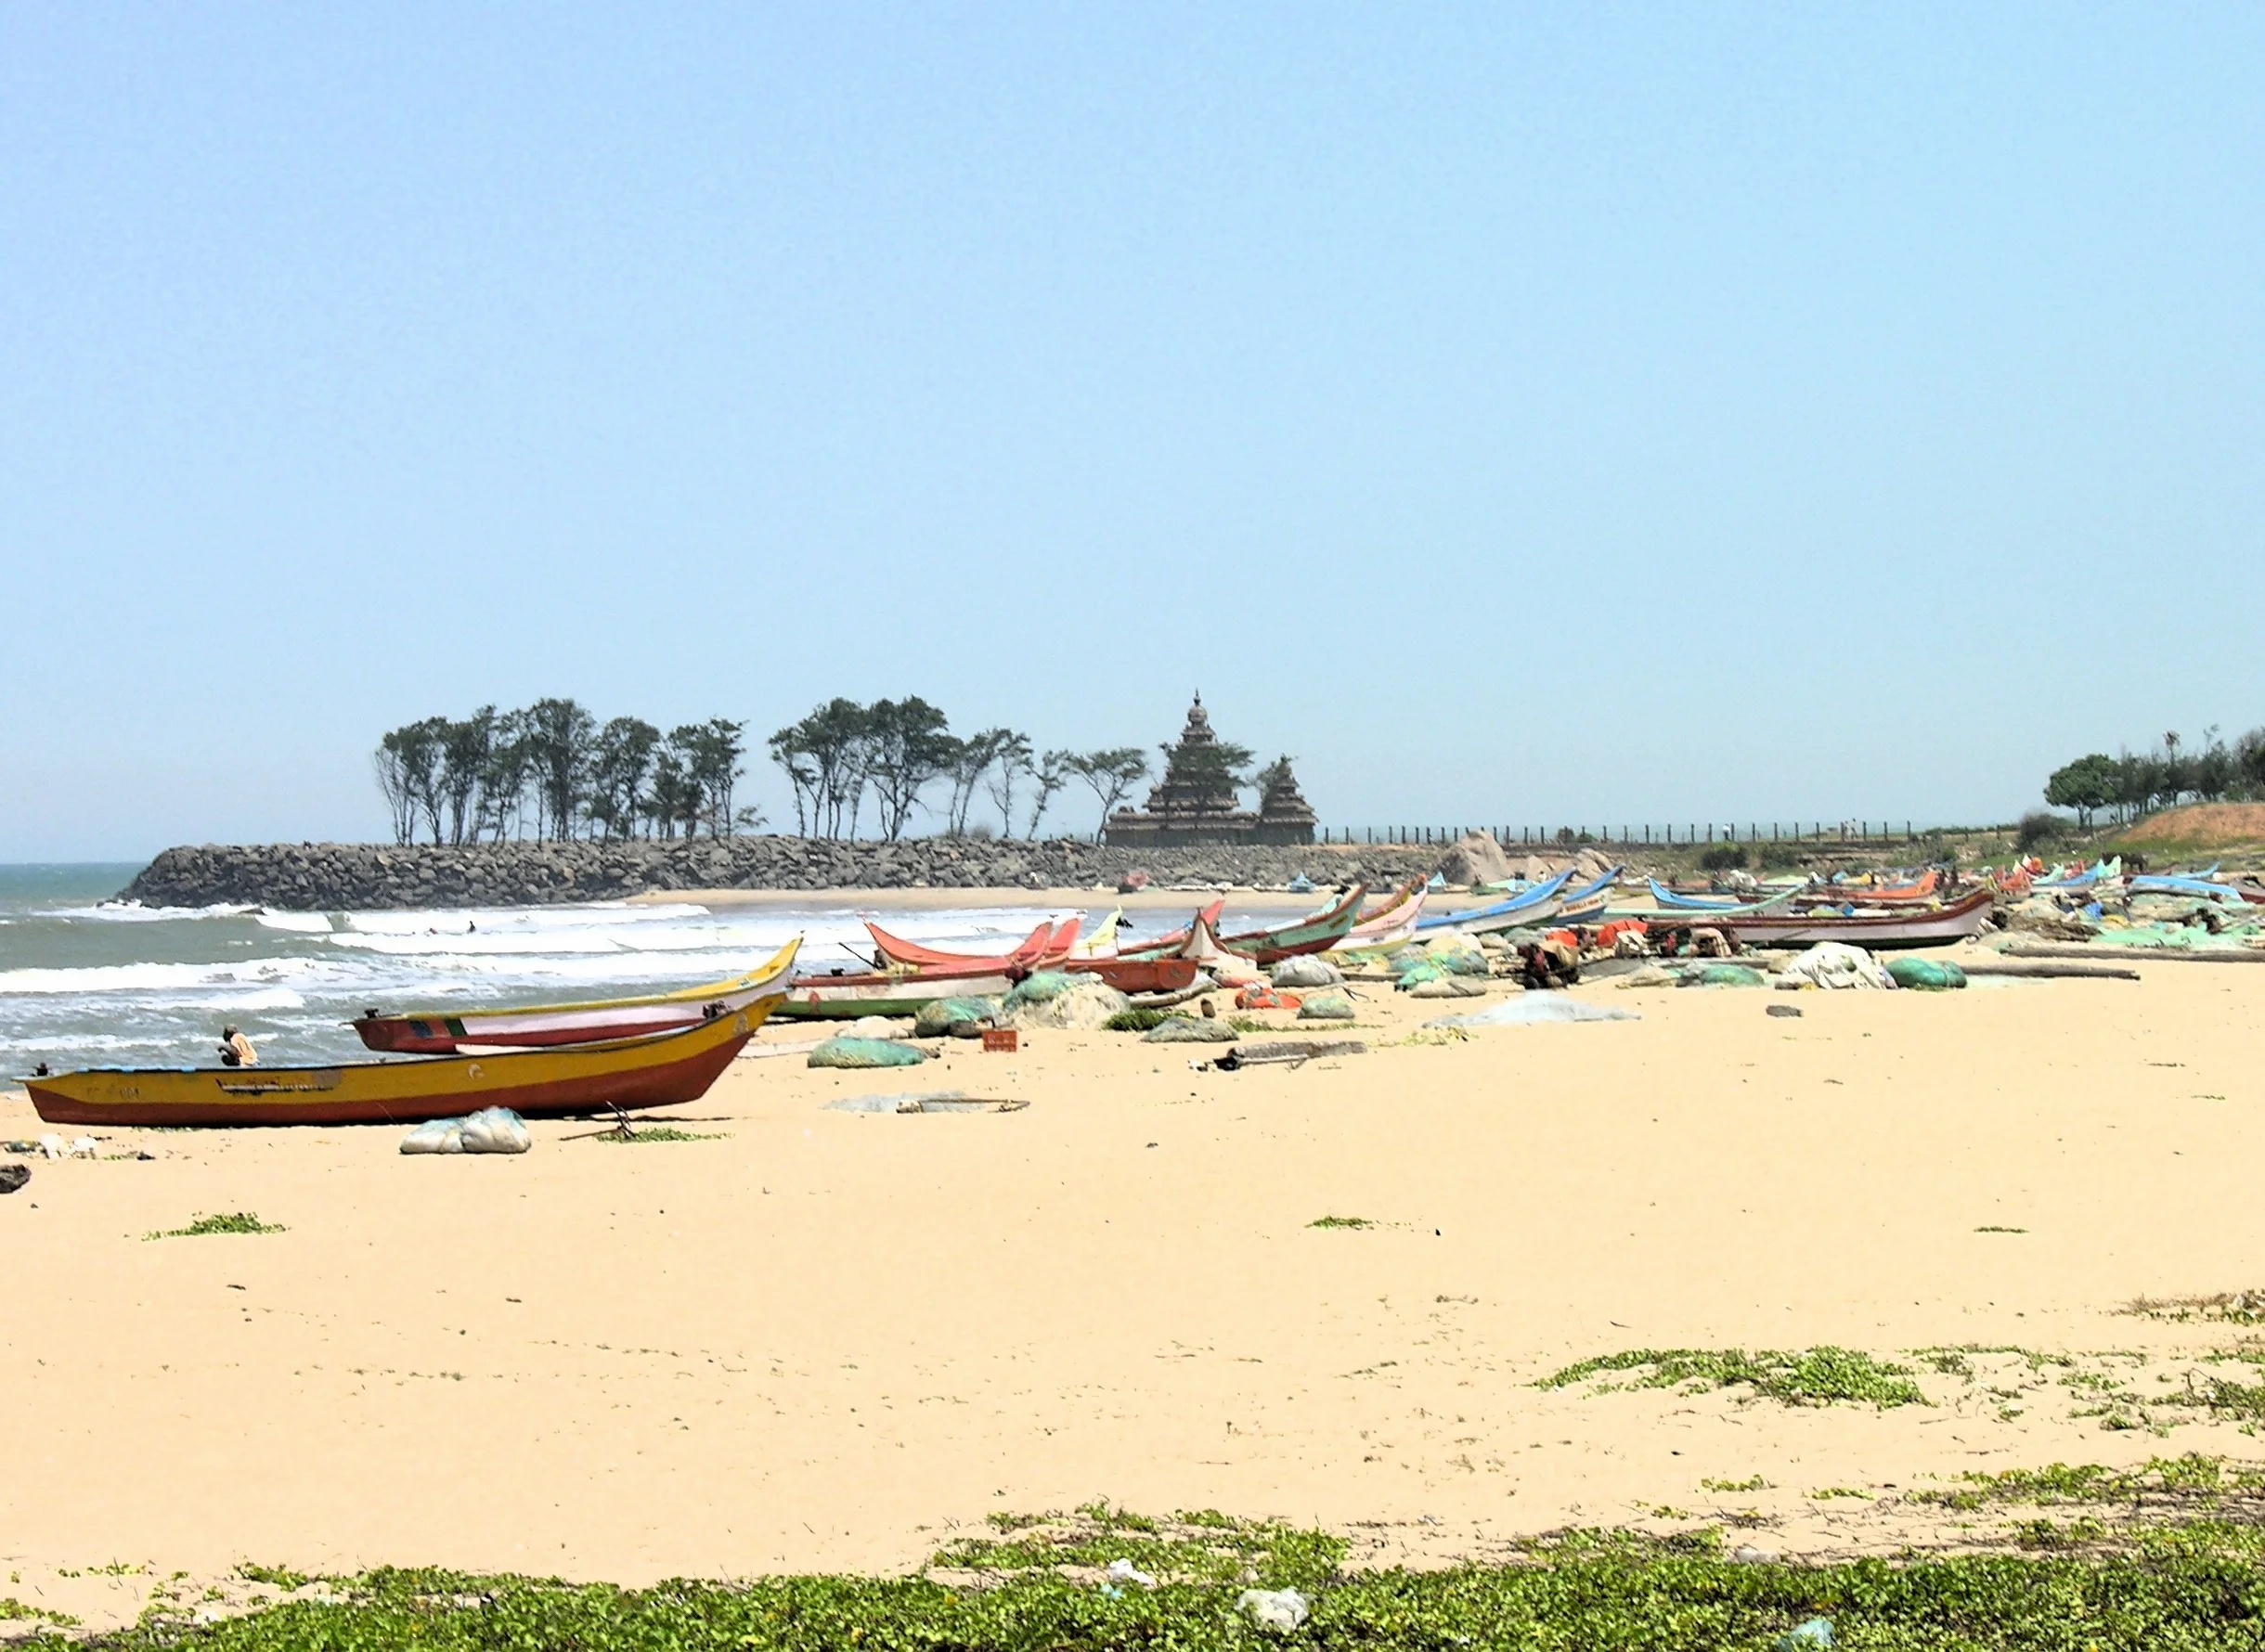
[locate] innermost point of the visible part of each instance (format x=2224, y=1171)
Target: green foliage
x=1209, y=1549
x=275, y=1576
x=1779, y=856
x=1340, y=1221
x=1593, y=1592
x=14, y=1611
x=1753, y=1483
x=1723, y=857
x=2039, y=829
x=2089, y=783
x=235, y=1221
x=658, y=1132
x=1811, y=1376
x=1135, y=1021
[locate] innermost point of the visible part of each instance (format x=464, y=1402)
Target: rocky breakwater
x=331, y=877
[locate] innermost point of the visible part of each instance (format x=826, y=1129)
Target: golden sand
x=822, y=1339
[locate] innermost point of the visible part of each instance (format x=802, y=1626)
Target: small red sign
x=1003, y=1039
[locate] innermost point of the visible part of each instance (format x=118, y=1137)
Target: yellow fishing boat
x=642, y=1072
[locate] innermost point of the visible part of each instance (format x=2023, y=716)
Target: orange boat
x=1039, y=949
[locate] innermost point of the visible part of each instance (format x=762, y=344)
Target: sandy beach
x=823, y=1340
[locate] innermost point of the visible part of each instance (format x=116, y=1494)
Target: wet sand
x=822, y=1339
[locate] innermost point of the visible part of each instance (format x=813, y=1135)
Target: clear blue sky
x=1516, y=413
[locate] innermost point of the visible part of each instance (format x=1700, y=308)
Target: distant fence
x=1852, y=834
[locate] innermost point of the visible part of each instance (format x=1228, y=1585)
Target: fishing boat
x=1316, y=931
x=1671, y=901
x=1165, y=946
x=887, y=992
x=2200, y=883
x=1586, y=903
x=1386, y=927
x=1048, y=941
x=443, y=1032
x=1519, y=909
x=1137, y=974
x=1101, y=943
x=1676, y=900
x=642, y=1072
x=1912, y=927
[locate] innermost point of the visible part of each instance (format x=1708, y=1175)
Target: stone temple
x=1198, y=801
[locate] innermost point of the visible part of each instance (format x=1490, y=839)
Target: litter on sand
x=491, y=1130
x=927, y=1100
x=1282, y=1610
x=1532, y=1009
x=1287, y=1051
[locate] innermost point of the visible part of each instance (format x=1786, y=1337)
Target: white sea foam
x=132, y=911
x=295, y=923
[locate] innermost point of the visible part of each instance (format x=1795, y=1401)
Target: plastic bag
x=494, y=1129
x=435, y=1135
x=1306, y=971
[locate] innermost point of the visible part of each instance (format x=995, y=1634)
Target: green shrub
x=1724, y=857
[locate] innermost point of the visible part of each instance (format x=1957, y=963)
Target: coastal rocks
x=334, y=877
x=1475, y=857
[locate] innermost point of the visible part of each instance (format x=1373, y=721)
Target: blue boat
x=1517, y=904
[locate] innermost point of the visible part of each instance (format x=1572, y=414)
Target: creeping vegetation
x=1810, y=1377
x=235, y=1221
x=1043, y=1585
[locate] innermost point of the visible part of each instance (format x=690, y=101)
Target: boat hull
x=845, y=998
x=653, y=1072
x=1953, y=923
x=438, y=1032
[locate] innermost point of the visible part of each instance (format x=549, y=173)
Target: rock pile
x=331, y=877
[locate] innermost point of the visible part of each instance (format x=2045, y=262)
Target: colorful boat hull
x=442, y=1032
x=627, y=1073
x=1956, y=922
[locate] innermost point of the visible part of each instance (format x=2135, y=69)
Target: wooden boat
x=1385, y=928
x=1138, y=975
x=1916, y=927
x=1101, y=943
x=1316, y=931
x=1518, y=909
x=443, y=1032
x=1048, y=940
x=1676, y=900
x=1586, y=903
x=1164, y=946
x=887, y=992
x=645, y=1072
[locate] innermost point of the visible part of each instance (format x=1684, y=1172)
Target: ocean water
x=87, y=981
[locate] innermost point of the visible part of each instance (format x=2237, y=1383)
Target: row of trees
x=899, y=751
x=554, y=768
x=2133, y=783
x=552, y=771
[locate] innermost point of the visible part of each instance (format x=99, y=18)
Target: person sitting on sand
x=235, y=1049
x=1550, y=961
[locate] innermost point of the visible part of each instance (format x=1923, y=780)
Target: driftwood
x=2137, y=954
x=2046, y=969
x=1294, y=1051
